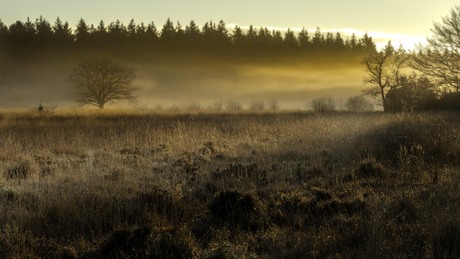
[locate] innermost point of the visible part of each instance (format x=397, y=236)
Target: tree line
x=42, y=34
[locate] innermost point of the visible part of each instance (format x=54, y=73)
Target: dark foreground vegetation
x=279, y=185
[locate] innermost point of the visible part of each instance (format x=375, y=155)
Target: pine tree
x=132, y=29
x=277, y=38
x=222, y=33
x=168, y=32
x=44, y=30
x=179, y=32
x=304, y=39
x=62, y=33
x=238, y=37
x=290, y=41
x=352, y=43
x=251, y=35
x=82, y=32
x=367, y=44
x=318, y=39
x=21, y=35
x=264, y=38
x=339, y=44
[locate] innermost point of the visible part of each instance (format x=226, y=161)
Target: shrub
x=370, y=168
x=323, y=104
x=234, y=209
x=21, y=170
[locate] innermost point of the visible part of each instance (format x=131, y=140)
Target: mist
x=179, y=67
x=26, y=84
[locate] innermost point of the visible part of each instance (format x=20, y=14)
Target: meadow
x=229, y=185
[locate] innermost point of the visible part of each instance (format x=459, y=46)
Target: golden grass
x=286, y=184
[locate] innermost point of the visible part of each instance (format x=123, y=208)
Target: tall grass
x=287, y=184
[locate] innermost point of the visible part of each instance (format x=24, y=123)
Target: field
x=229, y=185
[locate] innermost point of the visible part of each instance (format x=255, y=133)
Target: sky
x=404, y=22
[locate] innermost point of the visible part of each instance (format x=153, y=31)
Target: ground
x=229, y=185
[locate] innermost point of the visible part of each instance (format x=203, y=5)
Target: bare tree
x=384, y=71
x=323, y=104
x=440, y=59
x=101, y=80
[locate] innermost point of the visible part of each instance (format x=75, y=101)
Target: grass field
x=229, y=185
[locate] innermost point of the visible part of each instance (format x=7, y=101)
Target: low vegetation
x=229, y=185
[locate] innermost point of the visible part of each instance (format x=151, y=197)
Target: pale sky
x=402, y=21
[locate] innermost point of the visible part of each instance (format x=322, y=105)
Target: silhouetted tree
x=352, y=42
x=277, y=38
x=367, y=44
x=384, y=71
x=192, y=33
x=99, y=35
x=116, y=33
x=44, y=32
x=21, y=35
x=318, y=39
x=264, y=36
x=62, y=32
x=304, y=39
x=101, y=80
x=222, y=36
x=3, y=35
x=251, y=34
x=339, y=43
x=82, y=32
x=329, y=41
x=168, y=32
x=131, y=29
x=413, y=94
x=3, y=28
x=290, y=40
x=238, y=37
x=179, y=33
x=149, y=36
x=440, y=59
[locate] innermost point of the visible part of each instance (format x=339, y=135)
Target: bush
x=369, y=168
x=234, y=209
x=323, y=104
x=21, y=170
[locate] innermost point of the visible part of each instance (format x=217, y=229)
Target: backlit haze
x=406, y=23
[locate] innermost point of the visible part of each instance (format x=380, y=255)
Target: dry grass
x=223, y=185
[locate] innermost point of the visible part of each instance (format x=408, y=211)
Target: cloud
x=408, y=42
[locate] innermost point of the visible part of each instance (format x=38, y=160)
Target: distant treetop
x=43, y=34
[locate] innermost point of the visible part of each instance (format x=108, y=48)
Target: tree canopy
x=116, y=35
x=440, y=59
